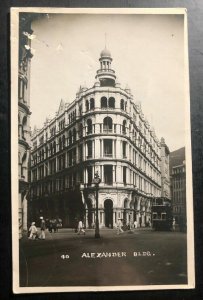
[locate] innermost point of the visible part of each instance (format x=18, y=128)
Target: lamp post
x=97, y=181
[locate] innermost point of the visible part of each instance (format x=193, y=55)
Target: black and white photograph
x=101, y=150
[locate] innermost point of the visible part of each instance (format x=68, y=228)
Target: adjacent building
x=103, y=130
x=165, y=172
x=24, y=131
x=178, y=186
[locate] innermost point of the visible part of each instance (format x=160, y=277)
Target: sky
x=148, y=56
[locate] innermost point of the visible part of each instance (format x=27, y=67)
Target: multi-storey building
x=165, y=172
x=24, y=131
x=178, y=187
x=103, y=130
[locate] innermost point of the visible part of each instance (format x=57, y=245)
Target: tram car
x=161, y=214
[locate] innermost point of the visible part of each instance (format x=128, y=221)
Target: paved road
x=142, y=257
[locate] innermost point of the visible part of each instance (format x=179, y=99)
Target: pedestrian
x=80, y=228
x=42, y=227
x=50, y=226
x=135, y=224
x=33, y=231
x=174, y=224
x=119, y=226
x=54, y=223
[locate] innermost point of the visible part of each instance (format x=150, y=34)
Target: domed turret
x=105, y=53
x=105, y=74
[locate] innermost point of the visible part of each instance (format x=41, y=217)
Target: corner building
x=103, y=130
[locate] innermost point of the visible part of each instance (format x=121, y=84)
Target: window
x=89, y=149
x=70, y=137
x=108, y=148
x=74, y=135
x=89, y=175
x=122, y=104
x=108, y=174
x=124, y=174
x=87, y=105
x=107, y=124
x=54, y=147
x=80, y=130
x=70, y=156
x=64, y=141
x=92, y=103
x=89, y=126
x=103, y=102
x=112, y=102
x=124, y=127
x=60, y=144
x=124, y=149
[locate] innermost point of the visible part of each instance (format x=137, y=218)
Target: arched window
x=103, y=102
x=92, y=103
x=87, y=105
x=89, y=126
x=124, y=127
x=122, y=104
x=125, y=106
x=51, y=149
x=70, y=137
x=107, y=124
x=112, y=102
x=74, y=135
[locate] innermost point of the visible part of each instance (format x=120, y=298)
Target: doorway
x=108, y=212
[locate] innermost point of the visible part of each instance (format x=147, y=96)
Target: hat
x=41, y=218
x=33, y=223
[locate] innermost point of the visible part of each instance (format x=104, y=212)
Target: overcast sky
x=148, y=56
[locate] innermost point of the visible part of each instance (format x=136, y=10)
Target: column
x=115, y=152
x=113, y=149
x=102, y=148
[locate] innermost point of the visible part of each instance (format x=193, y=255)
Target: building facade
x=24, y=130
x=165, y=172
x=179, y=194
x=103, y=130
x=178, y=187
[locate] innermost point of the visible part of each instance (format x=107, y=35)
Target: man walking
x=119, y=227
x=43, y=227
x=80, y=228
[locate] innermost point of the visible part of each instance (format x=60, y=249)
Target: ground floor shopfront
x=113, y=204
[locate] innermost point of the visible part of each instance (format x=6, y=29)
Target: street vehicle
x=161, y=214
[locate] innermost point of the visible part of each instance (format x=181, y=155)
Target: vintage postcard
x=101, y=152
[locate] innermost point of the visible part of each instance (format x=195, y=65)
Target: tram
x=161, y=214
